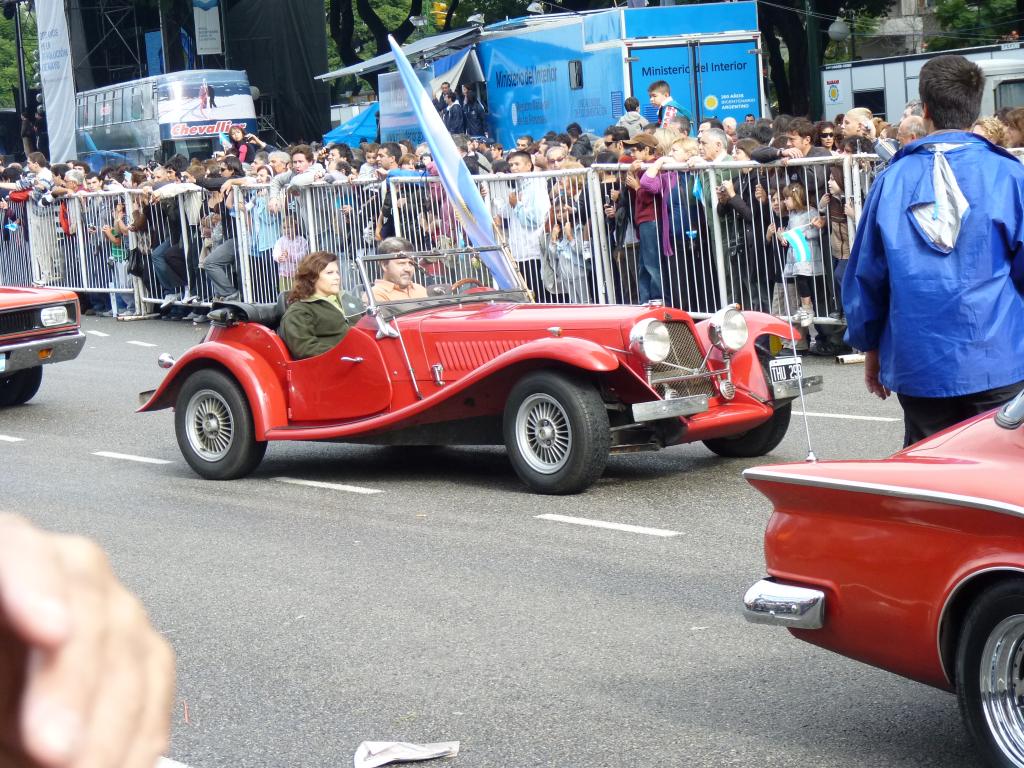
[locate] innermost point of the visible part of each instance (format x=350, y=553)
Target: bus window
x=137, y=104
x=1010, y=93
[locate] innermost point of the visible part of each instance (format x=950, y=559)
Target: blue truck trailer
x=540, y=73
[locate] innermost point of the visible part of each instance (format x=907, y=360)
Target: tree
x=783, y=22
x=9, y=58
x=979, y=23
x=360, y=28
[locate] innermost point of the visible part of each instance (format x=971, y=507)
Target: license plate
x=785, y=369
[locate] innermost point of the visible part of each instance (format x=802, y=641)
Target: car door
x=347, y=382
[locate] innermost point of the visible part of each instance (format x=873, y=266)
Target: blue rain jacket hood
x=935, y=281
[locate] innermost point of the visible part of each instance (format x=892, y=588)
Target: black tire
x=21, y=386
x=213, y=424
x=995, y=720
x=754, y=442
x=573, y=451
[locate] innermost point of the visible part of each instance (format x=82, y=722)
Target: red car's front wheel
x=557, y=432
x=20, y=387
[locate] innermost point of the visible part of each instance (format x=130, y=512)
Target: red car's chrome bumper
x=783, y=605
x=41, y=350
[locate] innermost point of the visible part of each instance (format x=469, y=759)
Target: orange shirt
x=385, y=290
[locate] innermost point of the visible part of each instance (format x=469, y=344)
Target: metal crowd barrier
x=573, y=233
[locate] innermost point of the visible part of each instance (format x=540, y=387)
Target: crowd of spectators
x=788, y=228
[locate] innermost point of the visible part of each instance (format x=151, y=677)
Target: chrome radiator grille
x=686, y=353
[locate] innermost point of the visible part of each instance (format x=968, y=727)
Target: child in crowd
x=289, y=250
x=565, y=259
x=660, y=94
x=802, y=240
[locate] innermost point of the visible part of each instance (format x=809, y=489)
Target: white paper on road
x=370, y=754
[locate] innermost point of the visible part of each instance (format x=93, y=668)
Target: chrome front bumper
x=669, y=409
x=17, y=357
x=782, y=605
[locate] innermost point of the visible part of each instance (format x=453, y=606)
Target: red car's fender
x=263, y=386
x=746, y=368
x=581, y=354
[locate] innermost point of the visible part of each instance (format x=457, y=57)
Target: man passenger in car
x=396, y=281
x=314, y=321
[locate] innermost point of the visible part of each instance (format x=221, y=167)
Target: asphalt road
x=307, y=620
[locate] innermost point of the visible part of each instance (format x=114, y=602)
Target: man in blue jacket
x=933, y=290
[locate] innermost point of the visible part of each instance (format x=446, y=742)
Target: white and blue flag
x=800, y=248
x=467, y=203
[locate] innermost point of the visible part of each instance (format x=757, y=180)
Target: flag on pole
x=467, y=203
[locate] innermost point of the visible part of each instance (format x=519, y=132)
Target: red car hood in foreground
x=976, y=461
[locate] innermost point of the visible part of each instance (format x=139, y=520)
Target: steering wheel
x=464, y=282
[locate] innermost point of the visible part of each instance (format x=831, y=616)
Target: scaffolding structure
x=107, y=50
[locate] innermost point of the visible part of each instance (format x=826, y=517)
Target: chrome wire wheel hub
x=1001, y=680
x=543, y=434
x=209, y=426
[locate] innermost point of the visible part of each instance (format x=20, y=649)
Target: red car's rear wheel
x=990, y=673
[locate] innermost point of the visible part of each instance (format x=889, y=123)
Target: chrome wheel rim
x=209, y=425
x=543, y=433
x=1002, y=687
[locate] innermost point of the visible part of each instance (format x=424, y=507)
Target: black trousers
x=924, y=416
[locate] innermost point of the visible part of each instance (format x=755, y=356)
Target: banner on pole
x=206, y=14
x=57, y=79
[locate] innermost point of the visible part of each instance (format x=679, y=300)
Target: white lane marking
x=328, y=486
x=166, y=762
x=9, y=439
x=611, y=526
x=98, y=333
x=140, y=343
x=845, y=416
x=129, y=457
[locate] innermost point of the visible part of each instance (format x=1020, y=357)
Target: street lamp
x=418, y=21
x=476, y=18
x=839, y=31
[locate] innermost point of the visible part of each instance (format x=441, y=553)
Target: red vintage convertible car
x=38, y=326
x=560, y=386
x=914, y=564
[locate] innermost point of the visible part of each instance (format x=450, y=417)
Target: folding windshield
x=410, y=280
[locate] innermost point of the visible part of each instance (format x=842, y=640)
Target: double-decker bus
x=156, y=117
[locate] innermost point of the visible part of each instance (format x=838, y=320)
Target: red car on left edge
x=38, y=326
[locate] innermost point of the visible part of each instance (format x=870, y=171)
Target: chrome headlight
x=728, y=330
x=650, y=340
x=53, y=316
